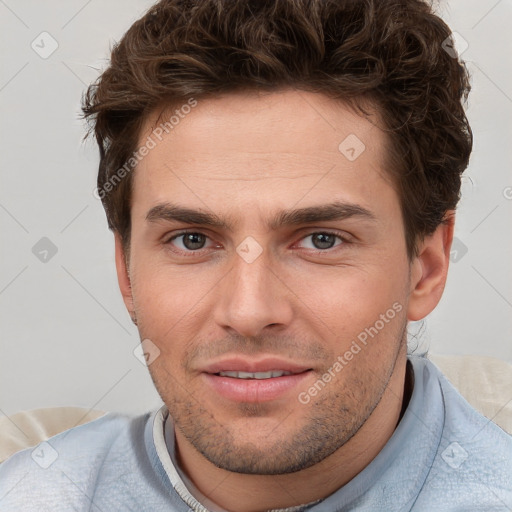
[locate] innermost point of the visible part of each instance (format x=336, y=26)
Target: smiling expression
x=259, y=245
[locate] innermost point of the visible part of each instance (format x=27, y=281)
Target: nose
x=253, y=297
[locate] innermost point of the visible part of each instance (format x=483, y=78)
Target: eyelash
x=188, y=253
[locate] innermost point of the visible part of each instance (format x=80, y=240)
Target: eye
x=188, y=241
x=193, y=241
x=324, y=240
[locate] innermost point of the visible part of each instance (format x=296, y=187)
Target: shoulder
x=69, y=463
x=472, y=467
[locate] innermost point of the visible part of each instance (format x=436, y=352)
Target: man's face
x=265, y=291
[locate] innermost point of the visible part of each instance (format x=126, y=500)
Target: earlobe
x=123, y=277
x=429, y=270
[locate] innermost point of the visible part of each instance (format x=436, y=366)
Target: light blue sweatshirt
x=443, y=456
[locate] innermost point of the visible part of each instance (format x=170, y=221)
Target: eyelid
x=343, y=235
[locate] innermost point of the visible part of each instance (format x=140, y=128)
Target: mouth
x=255, y=375
x=240, y=380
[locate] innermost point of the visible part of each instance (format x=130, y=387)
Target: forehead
x=253, y=148
x=304, y=122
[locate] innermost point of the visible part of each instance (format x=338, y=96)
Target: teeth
x=256, y=375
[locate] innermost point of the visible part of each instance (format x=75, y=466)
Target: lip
x=254, y=390
x=239, y=364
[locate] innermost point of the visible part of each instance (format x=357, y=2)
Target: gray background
x=65, y=337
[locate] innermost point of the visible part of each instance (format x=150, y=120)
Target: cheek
x=349, y=299
x=365, y=316
x=168, y=300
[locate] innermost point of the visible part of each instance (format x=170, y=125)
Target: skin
x=244, y=157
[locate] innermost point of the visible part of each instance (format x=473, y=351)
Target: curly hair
x=390, y=52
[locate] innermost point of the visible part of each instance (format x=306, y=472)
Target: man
x=281, y=179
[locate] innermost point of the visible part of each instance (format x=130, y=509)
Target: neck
x=253, y=493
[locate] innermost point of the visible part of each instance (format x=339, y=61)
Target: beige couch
x=485, y=382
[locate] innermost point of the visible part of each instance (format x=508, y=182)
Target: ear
x=429, y=270
x=123, y=277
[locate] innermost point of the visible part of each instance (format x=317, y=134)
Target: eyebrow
x=321, y=213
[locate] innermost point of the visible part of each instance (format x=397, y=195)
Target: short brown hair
x=389, y=51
